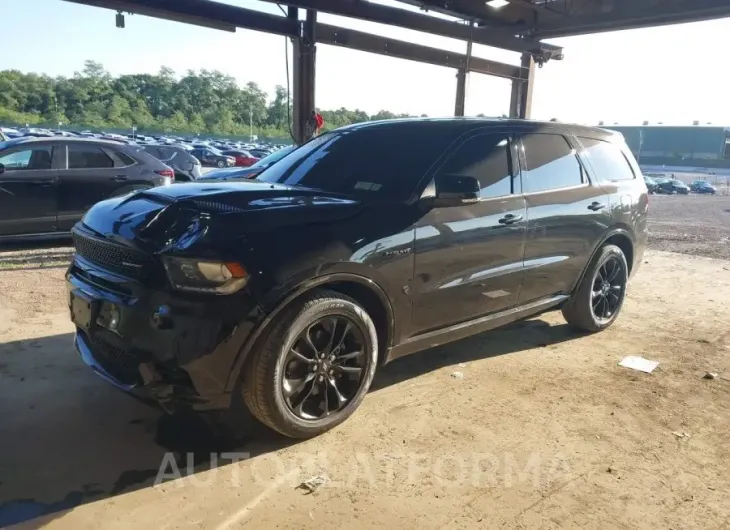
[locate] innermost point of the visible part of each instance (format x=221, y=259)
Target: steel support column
x=462, y=75
x=521, y=100
x=304, y=70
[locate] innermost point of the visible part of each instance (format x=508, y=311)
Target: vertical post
x=462, y=75
x=305, y=53
x=521, y=100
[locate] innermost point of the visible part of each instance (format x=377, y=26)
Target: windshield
x=274, y=157
x=678, y=183
x=364, y=161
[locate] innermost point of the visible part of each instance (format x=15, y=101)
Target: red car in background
x=243, y=158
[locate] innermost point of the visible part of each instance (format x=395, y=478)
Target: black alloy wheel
x=324, y=368
x=608, y=287
x=312, y=366
x=598, y=299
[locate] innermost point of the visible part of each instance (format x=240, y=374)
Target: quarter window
x=28, y=159
x=486, y=158
x=607, y=160
x=88, y=157
x=550, y=163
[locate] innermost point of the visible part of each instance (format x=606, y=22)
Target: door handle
x=510, y=218
x=595, y=206
x=45, y=183
x=120, y=178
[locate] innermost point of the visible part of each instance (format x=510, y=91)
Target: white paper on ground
x=639, y=363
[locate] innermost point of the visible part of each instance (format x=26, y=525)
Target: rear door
x=613, y=165
x=28, y=190
x=567, y=211
x=91, y=174
x=469, y=258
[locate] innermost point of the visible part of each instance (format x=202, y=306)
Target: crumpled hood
x=180, y=214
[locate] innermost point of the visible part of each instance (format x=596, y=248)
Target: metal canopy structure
x=514, y=25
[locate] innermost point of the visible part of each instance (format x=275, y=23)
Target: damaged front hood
x=181, y=214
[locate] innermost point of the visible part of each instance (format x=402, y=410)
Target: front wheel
x=220, y=163
x=597, y=302
x=314, y=366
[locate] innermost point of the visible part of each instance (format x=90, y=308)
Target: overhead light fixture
x=497, y=4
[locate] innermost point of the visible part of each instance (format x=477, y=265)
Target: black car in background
x=244, y=173
x=702, y=186
x=672, y=186
x=47, y=184
x=185, y=165
x=291, y=290
x=210, y=156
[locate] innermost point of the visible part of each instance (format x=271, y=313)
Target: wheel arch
x=365, y=291
x=618, y=236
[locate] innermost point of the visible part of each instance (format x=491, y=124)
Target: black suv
x=368, y=243
x=47, y=184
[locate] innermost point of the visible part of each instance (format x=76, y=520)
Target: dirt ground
x=691, y=224
x=542, y=429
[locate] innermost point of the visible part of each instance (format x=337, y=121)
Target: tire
x=579, y=310
x=267, y=366
x=220, y=164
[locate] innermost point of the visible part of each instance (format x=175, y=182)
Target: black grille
x=115, y=258
x=122, y=365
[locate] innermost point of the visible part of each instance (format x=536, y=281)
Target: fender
x=304, y=287
x=617, y=230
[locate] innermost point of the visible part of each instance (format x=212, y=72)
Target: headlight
x=215, y=277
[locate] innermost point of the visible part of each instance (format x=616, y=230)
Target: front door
x=469, y=258
x=28, y=188
x=567, y=216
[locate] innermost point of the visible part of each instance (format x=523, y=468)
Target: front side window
x=486, y=158
x=88, y=157
x=551, y=163
x=375, y=162
x=607, y=160
x=28, y=159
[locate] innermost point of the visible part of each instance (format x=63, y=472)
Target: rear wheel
x=597, y=302
x=314, y=366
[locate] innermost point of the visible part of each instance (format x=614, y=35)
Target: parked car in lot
x=209, y=156
x=47, y=184
x=248, y=172
x=291, y=290
x=702, y=186
x=651, y=184
x=672, y=186
x=241, y=158
x=185, y=165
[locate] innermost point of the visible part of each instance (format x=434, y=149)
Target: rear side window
x=88, y=157
x=120, y=159
x=607, y=160
x=551, y=163
x=485, y=157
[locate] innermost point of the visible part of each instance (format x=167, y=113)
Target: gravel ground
x=690, y=224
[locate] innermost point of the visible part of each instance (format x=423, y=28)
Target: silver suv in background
x=185, y=165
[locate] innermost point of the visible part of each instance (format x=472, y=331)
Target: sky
x=670, y=74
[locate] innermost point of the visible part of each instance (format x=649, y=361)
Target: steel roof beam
x=205, y=13
x=367, y=42
x=371, y=12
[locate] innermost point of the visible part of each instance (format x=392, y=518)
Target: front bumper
x=157, y=344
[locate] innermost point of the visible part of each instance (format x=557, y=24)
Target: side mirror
x=455, y=190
